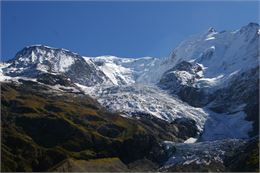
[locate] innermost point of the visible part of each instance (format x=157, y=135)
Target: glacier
x=130, y=85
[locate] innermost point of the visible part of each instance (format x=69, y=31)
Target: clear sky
x=126, y=29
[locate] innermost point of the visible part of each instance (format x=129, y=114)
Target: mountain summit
x=211, y=29
x=38, y=59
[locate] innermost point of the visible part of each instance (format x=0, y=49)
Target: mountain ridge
x=186, y=76
x=205, y=92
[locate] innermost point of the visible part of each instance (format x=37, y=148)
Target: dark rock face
x=243, y=90
x=137, y=148
x=173, y=79
x=50, y=79
x=187, y=127
x=85, y=74
x=180, y=81
x=246, y=159
x=196, y=97
x=188, y=67
x=161, y=153
x=252, y=112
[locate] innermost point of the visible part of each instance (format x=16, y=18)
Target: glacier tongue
x=143, y=100
x=146, y=100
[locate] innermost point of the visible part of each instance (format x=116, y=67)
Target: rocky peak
x=250, y=28
x=211, y=29
x=45, y=58
x=37, y=59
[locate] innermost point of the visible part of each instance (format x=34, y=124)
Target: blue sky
x=126, y=29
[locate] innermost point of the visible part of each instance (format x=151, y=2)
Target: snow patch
x=190, y=140
x=210, y=38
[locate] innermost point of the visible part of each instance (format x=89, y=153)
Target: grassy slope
x=42, y=129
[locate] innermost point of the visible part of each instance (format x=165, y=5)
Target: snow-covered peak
x=45, y=58
x=211, y=29
x=221, y=54
x=41, y=46
x=37, y=59
x=250, y=27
